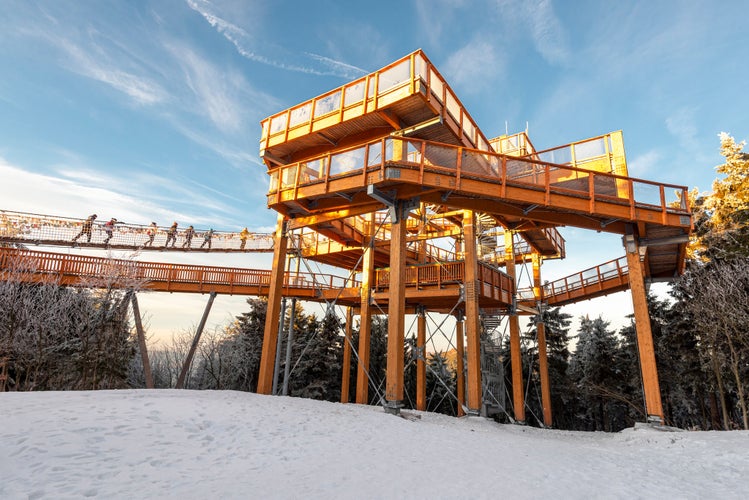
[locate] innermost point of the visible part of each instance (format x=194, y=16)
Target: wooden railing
x=34, y=229
x=97, y=271
x=368, y=94
x=609, y=277
x=494, y=283
x=584, y=189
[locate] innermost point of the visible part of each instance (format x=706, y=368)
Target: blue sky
x=150, y=110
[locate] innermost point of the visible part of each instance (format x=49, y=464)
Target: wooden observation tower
x=390, y=178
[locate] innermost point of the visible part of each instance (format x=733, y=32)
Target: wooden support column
x=142, y=342
x=646, y=349
x=543, y=364
x=459, y=347
x=518, y=397
x=365, y=314
x=396, y=309
x=421, y=366
x=195, y=342
x=346, y=368
x=472, y=320
x=277, y=273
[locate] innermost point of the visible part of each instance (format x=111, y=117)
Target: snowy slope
x=185, y=444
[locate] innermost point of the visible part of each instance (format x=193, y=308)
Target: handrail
x=596, y=276
x=367, y=94
x=56, y=230
x=88, y=267
x=492, y=167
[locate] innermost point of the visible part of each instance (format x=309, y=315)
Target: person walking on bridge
x=88, y=224
x=151, y=232
x=207, y=238
x=109, y=229
x=188, y=237
x=243, y=238
x=171, y=235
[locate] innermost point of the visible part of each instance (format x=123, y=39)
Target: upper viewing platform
x=409, y=96
x=401, y=134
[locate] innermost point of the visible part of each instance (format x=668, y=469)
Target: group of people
x=171, y=236
x=152, y=230
x=88, y=226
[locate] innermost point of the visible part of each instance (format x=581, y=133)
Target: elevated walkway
x=609, y=277
x=51, y=230
x=439, y=285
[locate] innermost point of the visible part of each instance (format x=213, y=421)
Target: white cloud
x=682, y=125
x=548, y=34
x=246, y=45
x=643, y=165
x=471, y=67
x=100, y=67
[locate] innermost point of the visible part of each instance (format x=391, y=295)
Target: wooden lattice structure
x=375, y=169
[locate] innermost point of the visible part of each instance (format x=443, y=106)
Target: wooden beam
x=194, y=345
x=268, y=354
x=421, y=367
x=472, y=321
x=396, y=313
x=142, y=342
x=646, y=349
x=543, y=364
x=365, y=314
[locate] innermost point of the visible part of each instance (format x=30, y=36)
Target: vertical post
x=543, y=364
x=516, y=359
x=268, y=354
x=472, y=321
x=396, y=309
x=346, y=369
x=646, y=349
x=421, y=367
x=461, y=382
x=422, y=229
x=365, y=314
x=289, y=346
x=279, y=340
x=195, y=341
x=142, y=342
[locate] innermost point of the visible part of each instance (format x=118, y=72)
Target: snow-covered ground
x=211, y=444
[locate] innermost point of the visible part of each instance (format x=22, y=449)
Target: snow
x=225, y=444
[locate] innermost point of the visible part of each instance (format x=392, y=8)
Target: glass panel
x=421, y=67
x=375, y=154
x=273, y=187
x=590, y=149
x=311, y=171
x=347, y=161
x=436, y=84
x=354, y=93
x=414, y=152
x=372, y=80
x=441, y=156
x=647, y=193
x=328, y=104
x=469, y=130
x=300, y=115
x=394, y=76
x=477, y=163
x=288, y=177
x=278, y=123
x=562, y=156
x=452, y=106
